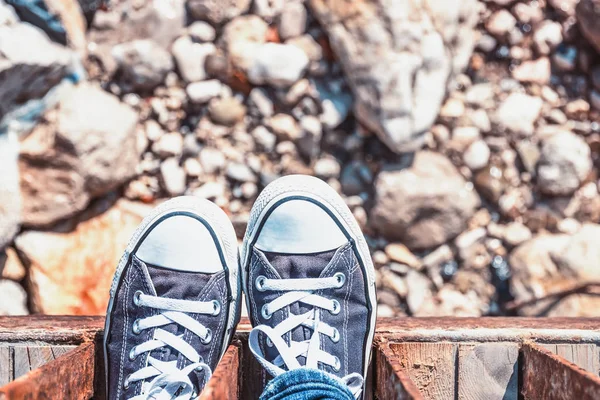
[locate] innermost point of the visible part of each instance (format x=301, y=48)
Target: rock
x=13, y=299
x=169, y=145
x=327, y=167
x=264, y=138
x=240, y=172
x=159, y=20
x=311, y=48
x=547, y=37
x=11, y=266
x=565, y=161
x=588, y=15
x=356, y=178
x=210, y=190
x=7, y=14
x=227, y=111
x=260, y=99
x=278, y=65
x=285, y=127
x=400, y=253
x=200, y=31
x=336, y=106
x=481, y=95
x=477, y=155
x=516, y=233
x=500, y=23
x=528, y=13
x=518, y=113
x=143, y=64
x=88, y=151
x=173, y=177
x=551, y=263
x=423, y=205
x=30, y=66
x=192, y=167
x=292, y=21
x=10, y=197
x=398, y=71
x=217, y=11
x=565, y=7
x=212, y=160
x=449, y=302
x=203, y=92
x=190, y=58
x=565, y=58
x=241, y=39
x=310, y=136
x=419, y=291
x=463, y=137
x=71, y=268
x=537, y=71
x=595, y=99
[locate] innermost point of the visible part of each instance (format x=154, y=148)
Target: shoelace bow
x=168, y=381
x=311, y=348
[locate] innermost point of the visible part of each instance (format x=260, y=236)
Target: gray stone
x=217, y=11
x=168, y=145
x=88, y=149
x=173, y=177
x=310, y=136
x=190, y=58
x=278, y=65
x=7, y=14
x=565, y=161
x=423, y=205
x=201, y=31
x=261, y=100
x=240, y=172
x=212, y=160
x=336, y=105
x=30, y=66
x=292, y=21
x=203, y=92
x=143, y=63
x=13, y=299
x=10, y=197
x=398, y=58
x=264, y=138
x=477, y=155
x=268, y=9
x=311, y=48
x=518, y=113
x=241, y=39
x=547, y=37
x=327, y=167
x=356, y=178
x=500, y=23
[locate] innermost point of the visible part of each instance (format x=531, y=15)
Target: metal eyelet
x=126, y=383
x=337, y=365
x=132, y=354
x=265, y=313
x=136, y=297
x=336, y=307
x=340, y=278
x=208, y=338
x=336, y=336
x=136, y=327
x=260, y=283
x=216, y=307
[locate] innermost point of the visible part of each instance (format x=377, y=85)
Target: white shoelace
x=300, y=291
x=170, y=382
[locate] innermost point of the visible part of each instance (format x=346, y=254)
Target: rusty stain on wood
x=224, y=383
x=584, y=355
x=68, y=377
x=549, y=376
x=430, y=366
x=50, y=329
x=392, y=382
x=488, y=371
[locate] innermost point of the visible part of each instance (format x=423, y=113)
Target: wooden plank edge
x=225, y=383
x=547, y=375
x=70, y=376
x=391, y=380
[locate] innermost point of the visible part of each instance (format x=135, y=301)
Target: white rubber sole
x=319, y=191
x=226, y=237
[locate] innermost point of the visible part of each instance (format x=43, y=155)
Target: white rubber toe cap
x=182, y=243
x=299, y=227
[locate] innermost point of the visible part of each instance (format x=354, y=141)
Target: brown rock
x=85, y=149
x=11, y=266
x=71, y=270
x=423, y=205
x=400, y=253
x=588, y=15
x=537, y=71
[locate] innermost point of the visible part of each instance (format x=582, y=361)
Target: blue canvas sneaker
x=309, y=282
x=174, y=303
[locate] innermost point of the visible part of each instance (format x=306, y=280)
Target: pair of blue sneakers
x=176, y=297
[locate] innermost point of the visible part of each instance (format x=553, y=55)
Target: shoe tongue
x=176, y=285
x=300, y=266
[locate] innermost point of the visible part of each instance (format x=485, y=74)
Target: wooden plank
x=5, y=365
x=68, y=377
x=549, y=376
x=488, y=371
x=431, y=366
x=20, y=361
x=39, y=355
x=391, y=379
x=50, y=329
x=224, y=383
x=585, y=356
x=58, y=351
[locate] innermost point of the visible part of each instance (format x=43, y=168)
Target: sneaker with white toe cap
x=309, y=282
x=174, y=303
